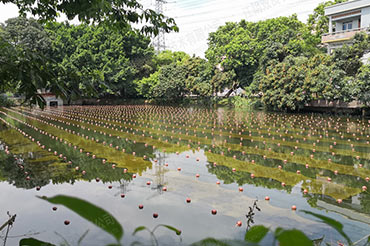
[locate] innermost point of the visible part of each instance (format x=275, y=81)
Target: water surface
x=159, y=156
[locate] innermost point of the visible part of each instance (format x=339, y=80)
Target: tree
x=238, y=47
x=171, y=85
x=318, y=22
x=198, y=77
x=362, y=85
x=145, y=86
x=177, y=69
x=25, y=61
x=167, y=57
x=348, y=57
x=100, y=61
x=119, y=13
x=290, y=84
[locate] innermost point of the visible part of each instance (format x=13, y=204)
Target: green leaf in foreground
x=33, y=242
x=331, y=222
x=178, y=232
x=140, y=228
x=92, y=213
x=256, y=233
x=293, y=237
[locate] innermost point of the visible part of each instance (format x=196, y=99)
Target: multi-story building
x=345, y=20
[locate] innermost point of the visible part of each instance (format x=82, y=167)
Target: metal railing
x=342, y=35
x=366, y=29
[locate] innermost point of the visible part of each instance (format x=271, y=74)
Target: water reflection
x=161, y=155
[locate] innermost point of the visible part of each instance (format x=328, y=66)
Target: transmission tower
x=159, y=40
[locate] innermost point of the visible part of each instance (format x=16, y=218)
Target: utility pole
x=159, y=41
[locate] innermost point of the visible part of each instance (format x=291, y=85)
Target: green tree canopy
x=238, y=47
x=100, y=61
x=25, y=60
x=120, y=13
x=349, y=57
x=290, y=84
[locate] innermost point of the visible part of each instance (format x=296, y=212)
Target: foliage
x=33, y=242
x=332, y=223
x=167, y=57
x=118, y=13
x=6, y=102
x=292, y=237
x=178, y=76
x=256, y=234
x=361, y=86
x=242, y=103
x=290, y=84
x=348, y=57
x=276, y=60
x=171, y=86
x=145, y=86
x=110, y=58
x=245, y=46
x=99, y=61
x=198, y=78
x=25, y=61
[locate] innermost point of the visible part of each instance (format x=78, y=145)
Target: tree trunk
x=233, y=88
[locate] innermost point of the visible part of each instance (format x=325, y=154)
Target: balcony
x=342, y=36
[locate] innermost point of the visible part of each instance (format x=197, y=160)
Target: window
x=347, y=26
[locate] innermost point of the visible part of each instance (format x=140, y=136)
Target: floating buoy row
x=297, y=171
x=252, y=175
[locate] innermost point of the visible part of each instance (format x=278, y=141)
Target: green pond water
x=118, y=157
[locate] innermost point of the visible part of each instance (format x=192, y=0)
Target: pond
x=196, y=169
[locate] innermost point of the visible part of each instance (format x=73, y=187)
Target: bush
x=6, y=102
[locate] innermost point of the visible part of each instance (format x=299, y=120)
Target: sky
x=197, y=18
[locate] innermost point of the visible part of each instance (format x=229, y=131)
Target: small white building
x=51, y=99
x=345, y=20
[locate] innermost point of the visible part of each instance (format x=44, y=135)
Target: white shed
x=52, y=100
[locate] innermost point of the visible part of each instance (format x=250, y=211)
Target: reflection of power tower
x=159, y=172
x=159, y=41
x=123, y=186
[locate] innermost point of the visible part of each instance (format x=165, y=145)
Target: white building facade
x=345, y=20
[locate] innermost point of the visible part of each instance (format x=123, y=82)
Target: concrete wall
x=365, y=17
